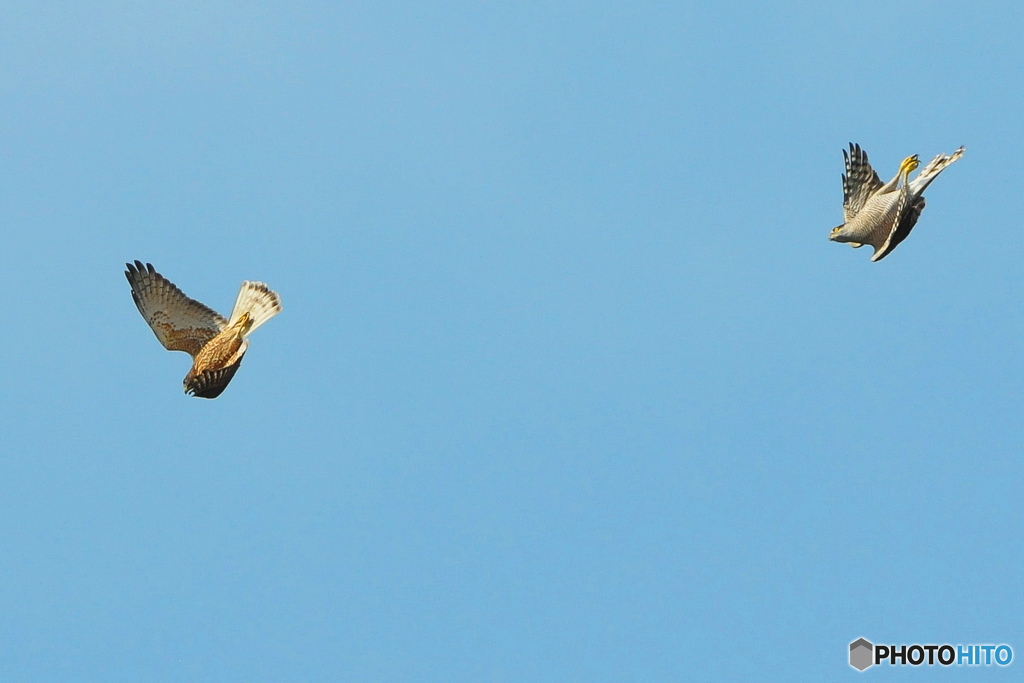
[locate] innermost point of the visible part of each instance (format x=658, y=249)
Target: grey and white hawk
x=883, y=215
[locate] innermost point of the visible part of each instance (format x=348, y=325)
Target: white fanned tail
x=259, y=301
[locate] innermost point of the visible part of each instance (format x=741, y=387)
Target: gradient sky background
x=569, y=384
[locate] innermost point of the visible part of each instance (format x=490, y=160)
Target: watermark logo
x=861, y=654
x=864, y=654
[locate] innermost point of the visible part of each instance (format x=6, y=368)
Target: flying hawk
x=883, y=215
x=216, y=344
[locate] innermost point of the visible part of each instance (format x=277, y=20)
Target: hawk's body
x=215, y=343
x=878, y=214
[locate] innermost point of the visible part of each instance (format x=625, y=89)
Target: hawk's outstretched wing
x=210, y=383
x=859, y=182
x=907, y=213
x=180, y=323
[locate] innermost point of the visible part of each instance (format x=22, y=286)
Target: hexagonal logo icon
x=861, y=654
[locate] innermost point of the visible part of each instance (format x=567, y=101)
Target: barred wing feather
x=859, y=182
x=180, y=323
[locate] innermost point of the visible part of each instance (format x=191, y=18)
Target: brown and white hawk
x=216, y=344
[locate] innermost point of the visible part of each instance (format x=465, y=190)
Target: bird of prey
x=883, y=215
x=216, y=344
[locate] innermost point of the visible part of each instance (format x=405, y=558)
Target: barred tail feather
x=933, y=169
x=259, y=301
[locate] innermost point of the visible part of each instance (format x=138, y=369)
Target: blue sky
x=569, y=384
